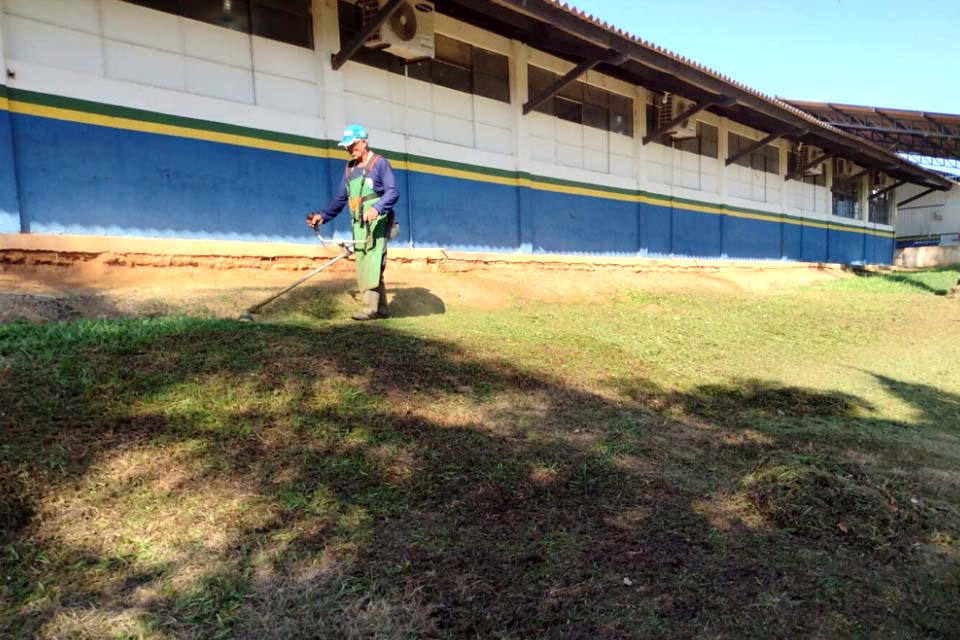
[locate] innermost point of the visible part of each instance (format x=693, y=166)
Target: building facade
x=218, y=120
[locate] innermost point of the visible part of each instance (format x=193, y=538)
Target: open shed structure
x=515, y=126
x=927, y=218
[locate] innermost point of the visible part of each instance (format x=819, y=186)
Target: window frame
x=617, y=109
x=248, y=23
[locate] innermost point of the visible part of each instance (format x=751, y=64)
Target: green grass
x=661, y=465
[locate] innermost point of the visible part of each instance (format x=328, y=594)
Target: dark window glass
x=422, y=70
x=491, y=64
x=621, y=115
x=880, y=209
x=284, y=26
x=569, y=110
x=282, y=20
x=452, y=76
x=596, y=97
x=594, y=116
x=773, y=159
x=491, y=87
x=491, y=75
x=537, y=80
x=690, y=145
x=348, y=18
x=298, y=7
x=233, y=15
x=707, y=134
x=168, y=6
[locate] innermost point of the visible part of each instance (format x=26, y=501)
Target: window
x=582, y=103
x=879, y=205
x=703, y=144
x=793, y=160
x=283, y=20
x=846, y=193
x=456, y=65
x=464, y=67
x=766, y=159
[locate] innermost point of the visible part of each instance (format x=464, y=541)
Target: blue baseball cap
x=351, y=134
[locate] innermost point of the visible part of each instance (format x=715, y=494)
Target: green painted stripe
x=102, y=109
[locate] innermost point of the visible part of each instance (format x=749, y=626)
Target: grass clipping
x=815, y=499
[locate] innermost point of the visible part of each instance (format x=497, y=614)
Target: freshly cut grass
x=661, y=466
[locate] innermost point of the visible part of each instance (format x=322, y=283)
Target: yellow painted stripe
x=458, y=173
x=164, y=129
x=465, y=174
x=579, y=191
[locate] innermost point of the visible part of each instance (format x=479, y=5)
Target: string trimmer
x=346, y=250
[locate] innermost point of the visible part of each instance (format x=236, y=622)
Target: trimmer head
x=245, y=317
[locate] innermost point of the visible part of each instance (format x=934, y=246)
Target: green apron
x=371, y=237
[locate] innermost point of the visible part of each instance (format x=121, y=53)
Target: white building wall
x=115, y=52
x=935, y=214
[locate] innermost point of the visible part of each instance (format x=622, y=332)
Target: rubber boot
x=375, y=301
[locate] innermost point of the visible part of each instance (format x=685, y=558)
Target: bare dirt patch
x=107, y=285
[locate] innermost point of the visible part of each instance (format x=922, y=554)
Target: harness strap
x=356, y=203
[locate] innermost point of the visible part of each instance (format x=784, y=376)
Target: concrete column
x=10, y=221
x=326, y=42
x=521, y=146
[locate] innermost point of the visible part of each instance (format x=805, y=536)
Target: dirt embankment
x=50, y=285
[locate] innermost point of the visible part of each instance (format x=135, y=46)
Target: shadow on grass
x=912, y=279
x=328, y=300
x=215, y=479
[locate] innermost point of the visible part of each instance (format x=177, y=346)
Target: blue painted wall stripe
x=9, y=199
x=84, y=178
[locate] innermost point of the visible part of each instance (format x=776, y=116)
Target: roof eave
x=602, y=35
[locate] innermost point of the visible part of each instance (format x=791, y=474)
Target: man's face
x=357, y=149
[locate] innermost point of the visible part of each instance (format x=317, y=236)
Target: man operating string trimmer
x=369, y=187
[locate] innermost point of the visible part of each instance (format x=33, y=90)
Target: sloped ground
x=587, y=455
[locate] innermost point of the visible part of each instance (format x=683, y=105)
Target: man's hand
x=371, y=215
x=313, y=219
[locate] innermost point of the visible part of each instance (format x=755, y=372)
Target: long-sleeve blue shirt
x=384, y=184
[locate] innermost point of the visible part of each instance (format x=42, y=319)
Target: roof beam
x=799, y=171
x=895, y=185
x=917, y=197
x=759, y=144
x=356, y=41
x=570, y=77
x=659, y=132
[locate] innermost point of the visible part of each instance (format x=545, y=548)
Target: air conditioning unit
x=687, y=128
x=408, y=33
x=668, y=108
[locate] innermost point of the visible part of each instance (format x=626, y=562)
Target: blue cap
x=353, y=133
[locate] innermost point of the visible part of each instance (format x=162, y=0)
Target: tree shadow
x=360, y=481
x=901, y=278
